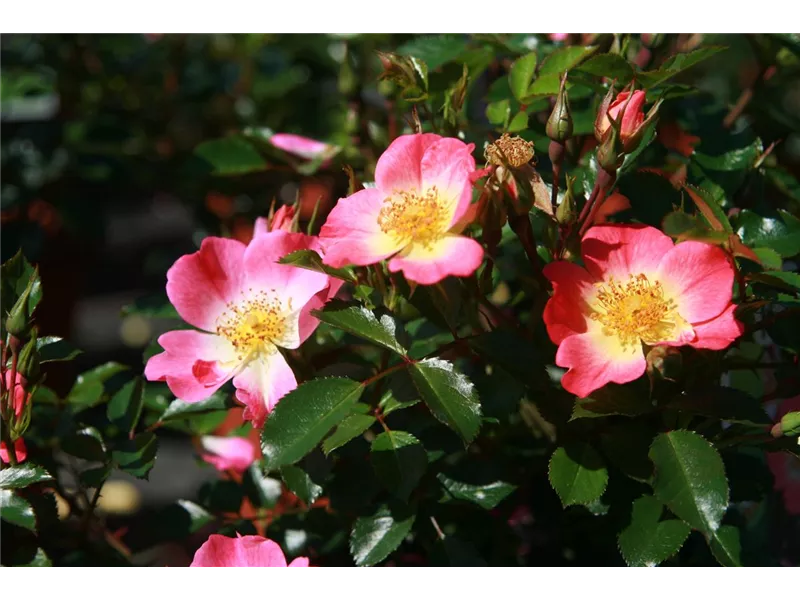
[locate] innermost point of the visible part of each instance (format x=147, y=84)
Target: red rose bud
x=559, y=125
x=789, y=425
x=625, y=110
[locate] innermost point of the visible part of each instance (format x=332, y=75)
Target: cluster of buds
x=620, y=126
x=19, y=374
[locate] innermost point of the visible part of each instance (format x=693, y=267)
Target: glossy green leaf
x=499, y=112
x=22, y=476
x=16, y=273
x=357, y=320
x=16, y=510
x=565, y=59
x=486, y=496
x=690, y=479
x=86, y=443
x=262, y=491
x=179, y=409
x=350, y=428
x=675, y=65
x=304, y=416
x=435, y=50
x=450, y=396
x=89, y=389
x=94, y=478
x=647, y=540
x=577, y=474
x=125, y=407
x=769, y=258
x=53, y=349
x=521, y=74
x=232, y=155
x=389, y=403
x=726, y=546
x=308, y=259
x=375, y=537
x=136, y=456
x=39, y=560
x=784, y=280
x=399, y=460
x=612, y=66
x=300, y=484
x=779, y=232
x=518, y=122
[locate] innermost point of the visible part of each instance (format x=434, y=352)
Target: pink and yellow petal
x=351, y=234
x=453, y=255
x=399, y=168
x=620, y=251
x=566, y=312
x=228, y=453
x=719, y=332
x=595, y=359
x=448, y=165
x=261, y=384
x=200, y=284
x=699, y=278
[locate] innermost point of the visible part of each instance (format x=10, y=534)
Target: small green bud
x=28, y=361
x=789, y=425
x=611, y=153
x=18, y=322
x=566, y=212
x=559, y=125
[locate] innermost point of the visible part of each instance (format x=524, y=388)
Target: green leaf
x=16, y=510
x=89, y=389
x=350, y=428
x=399, y=460
x=784, y=280
x=769, y=258
x=232, y=155
x=300, y=484
x=518, y=123
x=262, y=491
x=221, y=496
x=355, y=319
x=612, y=66
x=125, y=407
x=15, y=274
x=675, y=65
x=450, y=396
x=779, y=232
x=390, y=403
x=545, y=85
x=724, y=403
x=612, y=399
x=647, y=540
x=137, y=456
x=690, y=479
x=94, y=478
x=193, y=516
x=39, y=560
x=565, y=59
x=304, y=416
x=577, y=474
x=374, y=537
x=86, y=443
x=180, y=409
x=435, y=50
x=741, y=158
x=499, y=112
x=53, y=349
x=511, y=351
x=22, y=476
x=521, y=74
x=308, y=259
x=726, y=547
x=486, y=496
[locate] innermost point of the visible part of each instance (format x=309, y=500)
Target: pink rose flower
x=632, y=117
x=20, y=451
x=558, y=37
x=248, y=307
x=422, y=189
x=785, y=467
x=281, y=221
x=20, y=394
x=301, y=146
x=637, y=288
x=228, y=453
x=243, y=551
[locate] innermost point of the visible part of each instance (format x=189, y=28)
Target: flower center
x=254, y=325
x=635, y=311
x=414, y=218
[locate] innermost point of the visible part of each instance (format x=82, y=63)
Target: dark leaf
x=647, y=540
x=374, y=537
x=300, y=484
x=726, y=547
x=16, y=510
x=53, y=349
x=486, y=496
x=399, y=461
x=578, y=474
x=125, y=407
x=232, y=155
x=136, y=456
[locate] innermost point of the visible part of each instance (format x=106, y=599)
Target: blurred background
x=103, y=185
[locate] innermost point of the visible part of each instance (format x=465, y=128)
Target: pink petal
x=400, y=166
x=623, y=250
x=633, y=116
x=200, y=284
x=448, y=165
x=246, y=551
x=595, y=359
x=262, y=271
x=228, y=453
x=452, y=255
x=300, y=561
x=21, y=396
x=194, y=364
x=699, y=277
x=298, y=145
x=565, y=312
x=20, y=451
x=261, y=384
x=351, y=235
x=718, y=333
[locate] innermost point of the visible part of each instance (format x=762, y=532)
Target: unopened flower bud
x=611, y=153
x=28, y=361
x=18, y=322
x=559, y=125
x=566, y=212
x=789, y=425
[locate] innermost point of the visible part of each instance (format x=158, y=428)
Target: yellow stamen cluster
x=636, y=311
x=415, y=218
x=253, y=325
x=513, y=151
